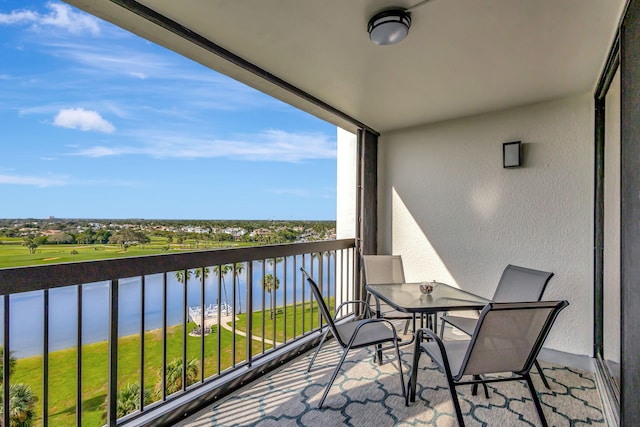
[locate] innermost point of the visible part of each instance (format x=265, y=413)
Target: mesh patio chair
x=507, y=338
x=517, y=284
x=383, y=269
x=354, y=334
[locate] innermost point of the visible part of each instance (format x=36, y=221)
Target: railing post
x=264, y=262
x=164, y=337
x=6, y=363
x=79, y=360
x=202, y=321
x=45, y=361
x=249, y=311
x=284, y=303
x=219, y=318
x=233, y=314
x=112, y=392
x=321, y=282
x=184, y=329
x=142, y=328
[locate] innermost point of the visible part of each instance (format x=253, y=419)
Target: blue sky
x=98, y=123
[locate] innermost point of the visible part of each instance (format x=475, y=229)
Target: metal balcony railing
x=178, y=330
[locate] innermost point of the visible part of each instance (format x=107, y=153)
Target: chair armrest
x=464, y=324
x=420, y=333
x=357, y=301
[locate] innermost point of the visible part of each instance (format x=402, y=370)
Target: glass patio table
x=407, y=298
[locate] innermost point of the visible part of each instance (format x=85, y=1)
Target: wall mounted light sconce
x=512, y=154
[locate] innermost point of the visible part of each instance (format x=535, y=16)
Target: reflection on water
x=26, y=310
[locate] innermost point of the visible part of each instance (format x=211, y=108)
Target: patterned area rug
x=366, y=394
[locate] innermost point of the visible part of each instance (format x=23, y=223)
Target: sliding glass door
x=610, y=352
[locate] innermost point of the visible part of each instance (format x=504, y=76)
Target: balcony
x=431, y=115
x=86, y=334
x=227, y=374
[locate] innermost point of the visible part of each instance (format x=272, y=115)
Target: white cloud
x=199, y=87
x=270, y=145
x=35, y=181
x=138, y=75
x=102, y=152
x=86, y=120
x=18, y=17
x=59, y=16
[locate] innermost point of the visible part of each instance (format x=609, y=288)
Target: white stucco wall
x=612, y=223
x=346, y=188
x=455, y=215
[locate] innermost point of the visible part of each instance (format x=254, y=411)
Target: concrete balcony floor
x=365, y=394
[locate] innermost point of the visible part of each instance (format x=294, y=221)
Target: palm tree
x=22, y=402
x=270, y=283
x=200, y=272
x=128, y=400
x=174, y=375
x=180, y=275
x=274, y=261
x=12, y=363
x=221, y=270
x=239, y=266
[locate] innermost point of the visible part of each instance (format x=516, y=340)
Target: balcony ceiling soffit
x=461, y=57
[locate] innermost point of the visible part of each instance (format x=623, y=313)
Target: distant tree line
x=126, y=233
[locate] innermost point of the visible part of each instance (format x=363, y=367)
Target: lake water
x=26, y=310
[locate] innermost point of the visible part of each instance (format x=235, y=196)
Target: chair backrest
x=379, y=269
x=323, y=307
x=519, y=284
x=509, y=336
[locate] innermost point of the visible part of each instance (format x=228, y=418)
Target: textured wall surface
x=455, y=215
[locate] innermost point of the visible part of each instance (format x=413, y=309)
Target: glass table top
x=406, y=297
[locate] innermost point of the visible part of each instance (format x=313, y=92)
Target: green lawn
x=311, y=321
x=62, y=364
x=62, y=370
x=13, y=254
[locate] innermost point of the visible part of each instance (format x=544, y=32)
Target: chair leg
x=474, y=388
x=313, y=359
x=333, y=377
x=456, y=403
x=406, y=326
x=404, y=393
x=544, y=378
x=413, y=377
x=486, y=390
x=442, y=329
x=536, y=400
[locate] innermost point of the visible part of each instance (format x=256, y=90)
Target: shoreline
x=98, y=342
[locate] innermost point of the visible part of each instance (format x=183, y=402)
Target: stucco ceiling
x=462, y=57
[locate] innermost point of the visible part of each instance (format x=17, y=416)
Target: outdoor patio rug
x=366, y=394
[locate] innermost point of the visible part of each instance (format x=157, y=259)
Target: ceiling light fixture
x=389, y=26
